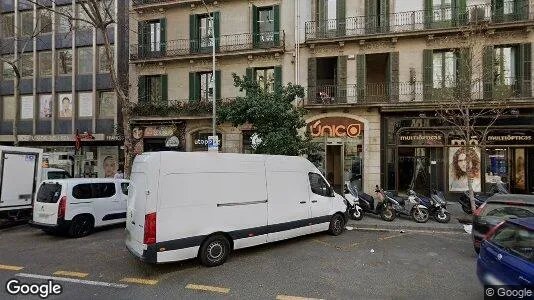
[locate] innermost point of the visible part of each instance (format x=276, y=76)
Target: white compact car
x=76, y=206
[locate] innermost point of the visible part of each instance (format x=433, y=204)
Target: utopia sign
x=336, y=127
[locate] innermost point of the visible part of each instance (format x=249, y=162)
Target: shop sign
x=172, y=142
x=201, y=141
x=154, y=131
x=54, y=138
x=336, y=127
x=421, y=138
x=505, y=137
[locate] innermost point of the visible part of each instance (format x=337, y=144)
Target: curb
x=386, y=227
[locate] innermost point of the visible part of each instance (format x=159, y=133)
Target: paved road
x=411, y=265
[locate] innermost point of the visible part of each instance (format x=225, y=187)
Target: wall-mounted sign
x=159, y=131
x=336, y=127
x=201, y=141
x=421, y=138
x=172, y=142
x=510, y=137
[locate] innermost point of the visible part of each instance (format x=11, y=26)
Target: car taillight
x=62, y=209
x=492, y=231
x=478, y=211
x=150, y=229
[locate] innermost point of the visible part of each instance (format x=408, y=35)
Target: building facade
x=66, y=88
x=374, y=73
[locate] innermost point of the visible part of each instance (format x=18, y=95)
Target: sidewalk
x=373, y=222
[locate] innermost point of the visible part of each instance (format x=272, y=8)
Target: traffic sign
x=213, y=143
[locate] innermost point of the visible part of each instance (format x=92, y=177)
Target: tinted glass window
x=103, y=190
x=58, y=175
x=82, y=191
x=49, y=193
x=124, y=187
x=508, y=211
x=517, y=240
x=318, y=184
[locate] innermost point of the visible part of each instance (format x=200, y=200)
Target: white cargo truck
x=20, y=176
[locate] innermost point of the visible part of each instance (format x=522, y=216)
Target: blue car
x=507, y=254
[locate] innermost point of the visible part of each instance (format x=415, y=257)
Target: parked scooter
x=408, y=207
x=437, y=206
x=354, y=211
x=366, y=203
x=480, y=198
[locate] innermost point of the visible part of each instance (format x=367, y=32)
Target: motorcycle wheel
x=466, y=210
x=420, y=215
x=444, y=217
x=387, y=214
x=357, y=214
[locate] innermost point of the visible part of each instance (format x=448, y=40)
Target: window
x=63, y=20
x=7, y=25
x=45, y=21
x=328, y=11
x=266, y=24
x=107, y=9
x=84, y=21
x=444, y=64
x=318, y=185
x=504, y=65
x=82, y=191
x=103, y=190
x=58, y=175
x=508, y=7
x=265, y=78
x=106, y=107
x=64, y=62
x=45, y=64
x=124, y=188
x=9, y=108
x=7, y=69
x=150, y=88
x=508, y=211
x=152, y=36
x=26, y=23
x=27, y=65
x=85, y=60
x=102, y=59
x=247, y=141
x=49, y=193
x=517, y=240
x=206, y=84
x=205, y=29
x=442, y=10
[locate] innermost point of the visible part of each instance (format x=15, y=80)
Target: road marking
x=11, y=268
x=73, y=280
x=139, y=281
x=71, y=274
x=207, y=288
x=393, y=236
x=284, y=297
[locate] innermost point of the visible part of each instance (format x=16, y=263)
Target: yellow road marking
x=71, y=274
x=393, y=236
x=11, y=268
x=208, y=288
x=284, y=297
x=139, y=281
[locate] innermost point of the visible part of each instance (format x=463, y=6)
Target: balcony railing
x=149, y=2
x=224, y=44
x=416, y=20
x=397, y=92
x=176, y=108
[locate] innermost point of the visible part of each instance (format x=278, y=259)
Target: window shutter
x=278, y=79
x=464, y=66
x=525, y=76
x=312, y=78
x=341, y=84
x=361, y=76
x=140, y=39
x=250, y=73
x=193, y=34
x=218, y=85
x=217, y=29
x=321, y=19
x=497, y=10
x=429, y=11
x=341, y=18
x=276, y=11
x=488, y=72
x=384, y=16
x=163, y=35
x=192, y=86
x=428, y=74
x=463, y=16
x=255, y=27
x=141, y=90
x=393, y=76
x=371, y=20
x=164, y=89
x=520, y=10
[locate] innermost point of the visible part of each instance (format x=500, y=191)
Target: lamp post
x=213, y=83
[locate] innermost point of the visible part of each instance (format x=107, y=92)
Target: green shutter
x=192, y=86
x=341, y=18
x=141, y=39
x=361, y=76
x=141, y=89
x=278, y=79
x=383, y=19
x=463, y=15
x=341, y=84
x=321, y=19
x=525, y=75
x=393, y=76
x=163, y=35
x=428, y=74
x=276, y=11
x=371, y=19
x=217, y=29
x=312, y=78
x=497, y=10
x=429, y=12
x=250, y=73
x=218, y=85
x=255, y=27
x=464, y=66
x=193, y=34
x=522, y=9
x=488, y=72
x=164, y=89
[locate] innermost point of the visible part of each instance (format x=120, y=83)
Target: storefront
x=422, y=153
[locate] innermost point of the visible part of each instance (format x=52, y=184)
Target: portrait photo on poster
x=107, y=162
x=458, y=168
x=65, y=105
x=45, y=106
x=520, y=169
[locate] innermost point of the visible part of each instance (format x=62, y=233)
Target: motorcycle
x=366, y=204
x=480, y=198
x=353, y=209
x=437, y=206
x=408, y=207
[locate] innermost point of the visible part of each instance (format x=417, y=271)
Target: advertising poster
x=85, y=106
x=65, y=105
x=520, y=169
x=107, y=105
x=107, y=161
x=26, y=107
x=45, y=106
x=458, y=167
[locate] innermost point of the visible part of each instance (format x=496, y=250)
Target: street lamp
x=213, y=83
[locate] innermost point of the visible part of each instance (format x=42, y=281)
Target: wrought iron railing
x=223, y=44
x=148, y=2
x=417, y=20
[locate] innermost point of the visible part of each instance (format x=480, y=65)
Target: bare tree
x=474, y=98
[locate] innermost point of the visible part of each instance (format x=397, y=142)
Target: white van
x=76, y=206
x=54, y=173
x=183, y=205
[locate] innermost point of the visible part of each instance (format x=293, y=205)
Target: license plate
x=43, y=215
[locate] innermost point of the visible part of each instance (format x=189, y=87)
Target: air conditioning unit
x=477, y=14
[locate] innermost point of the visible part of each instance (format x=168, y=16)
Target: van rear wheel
x=337, y=225
x=80, y=226
x=214, y=251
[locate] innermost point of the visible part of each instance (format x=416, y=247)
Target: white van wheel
x=214, y=251
x=81, y=226
x=337, y=224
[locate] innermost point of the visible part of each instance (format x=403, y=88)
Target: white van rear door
x=135, y=216
x=46, y=204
